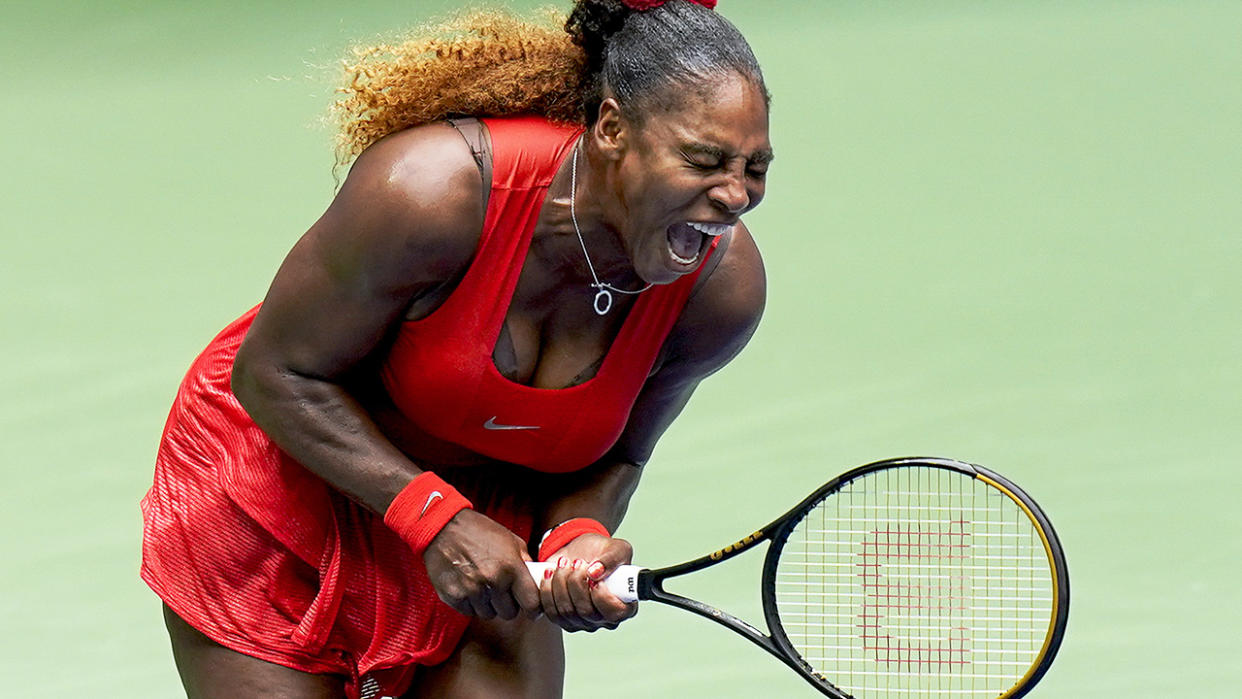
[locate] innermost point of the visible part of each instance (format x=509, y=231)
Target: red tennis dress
x=265, y=558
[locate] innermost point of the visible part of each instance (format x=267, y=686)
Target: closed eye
x=757, y=167
x=701, y=164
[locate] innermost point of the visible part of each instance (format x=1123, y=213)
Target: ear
x=612, y=131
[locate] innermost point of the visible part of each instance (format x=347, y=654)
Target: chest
x=551, y=337
x=547, y=393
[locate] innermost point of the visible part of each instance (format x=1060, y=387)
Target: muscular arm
x=406, y=220
x=402, y=223
x=718, y=321
x=716, y=324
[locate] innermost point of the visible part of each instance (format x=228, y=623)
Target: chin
x=665, y=270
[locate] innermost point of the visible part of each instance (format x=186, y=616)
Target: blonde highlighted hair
x=477, y=63
x=493, y=63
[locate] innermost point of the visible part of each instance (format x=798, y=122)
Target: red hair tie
x=641, y=5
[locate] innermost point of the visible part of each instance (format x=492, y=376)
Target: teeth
x=712, y=229
x=683, y=260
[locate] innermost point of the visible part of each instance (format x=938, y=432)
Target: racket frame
x=651, y=581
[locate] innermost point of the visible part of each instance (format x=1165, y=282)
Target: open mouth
x=688, y=240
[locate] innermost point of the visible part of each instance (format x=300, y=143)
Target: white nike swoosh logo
x=431, y=500
x=492, y=425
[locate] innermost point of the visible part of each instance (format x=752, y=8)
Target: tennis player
x=465, y=363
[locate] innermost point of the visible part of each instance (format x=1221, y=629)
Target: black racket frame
x=651, y=581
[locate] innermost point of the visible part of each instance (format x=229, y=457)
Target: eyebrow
x=759, y=157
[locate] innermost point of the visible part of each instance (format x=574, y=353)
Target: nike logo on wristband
x=491, y=424
x=431, y=500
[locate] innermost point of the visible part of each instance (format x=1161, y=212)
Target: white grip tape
x=623, y=582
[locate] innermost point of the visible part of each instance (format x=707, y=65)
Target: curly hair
x=493, y=63
x=478, y=63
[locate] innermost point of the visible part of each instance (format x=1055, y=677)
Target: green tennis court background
x=1006, y=232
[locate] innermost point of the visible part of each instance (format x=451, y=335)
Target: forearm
x=601, y=492
x=324, y=428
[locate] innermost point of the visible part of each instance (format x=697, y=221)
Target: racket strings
x=916, y=582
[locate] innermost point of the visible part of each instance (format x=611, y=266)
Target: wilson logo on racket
x=897, y=587
x=737, y=545
x=914, y=577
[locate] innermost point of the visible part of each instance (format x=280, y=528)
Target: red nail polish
x=547, y=573
x=578, y=562
x=596, y=570
x=562, y=562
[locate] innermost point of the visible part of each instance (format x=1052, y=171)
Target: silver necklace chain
x=603, y=290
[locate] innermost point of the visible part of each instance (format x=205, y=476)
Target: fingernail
x=562, y=562
x=578, y=562
x=596, y=570
x=547, y=573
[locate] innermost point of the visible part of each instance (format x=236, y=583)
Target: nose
x=730, y=194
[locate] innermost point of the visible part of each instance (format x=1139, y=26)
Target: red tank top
x=440, y=372
x=215, y=463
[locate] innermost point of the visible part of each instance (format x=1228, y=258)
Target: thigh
x=209, y=670
x=518, y=659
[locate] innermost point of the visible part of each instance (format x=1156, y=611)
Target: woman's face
x=689, y=173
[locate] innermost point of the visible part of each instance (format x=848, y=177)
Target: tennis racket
x=914, y=577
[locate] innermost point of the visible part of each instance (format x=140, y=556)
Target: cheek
x=680, y=189
x=649, y=191
x=755, y=192
x=666, y=198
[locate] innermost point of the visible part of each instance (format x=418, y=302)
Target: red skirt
x=260, y=555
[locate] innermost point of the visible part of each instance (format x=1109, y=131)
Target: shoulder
x=723, y=312
x=412, y=197
x=528, y=149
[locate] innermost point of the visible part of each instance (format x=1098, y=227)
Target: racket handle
x=623, y=582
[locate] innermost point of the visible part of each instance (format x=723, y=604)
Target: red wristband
x=560, y=535
x=423, y=508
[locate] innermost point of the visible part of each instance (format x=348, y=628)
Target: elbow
x=240, y=381
x=245, y=380
x=266, y=385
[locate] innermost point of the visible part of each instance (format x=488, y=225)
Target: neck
x=585, y=200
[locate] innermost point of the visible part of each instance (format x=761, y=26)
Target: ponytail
x=493, y=63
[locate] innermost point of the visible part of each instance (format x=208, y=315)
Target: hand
x=479, y=568
x=571, y=599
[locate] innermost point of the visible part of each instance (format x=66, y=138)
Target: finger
x=580, y=594
x=609, y=606
x=502, y=601
x=498, y=592
x=457, y=599
x=481, y=606
x=525, y=592
x=462, y=606
x=566, y=615
x=546, y=601
x=617, y=552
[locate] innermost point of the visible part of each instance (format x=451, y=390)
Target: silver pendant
x=603, y=301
